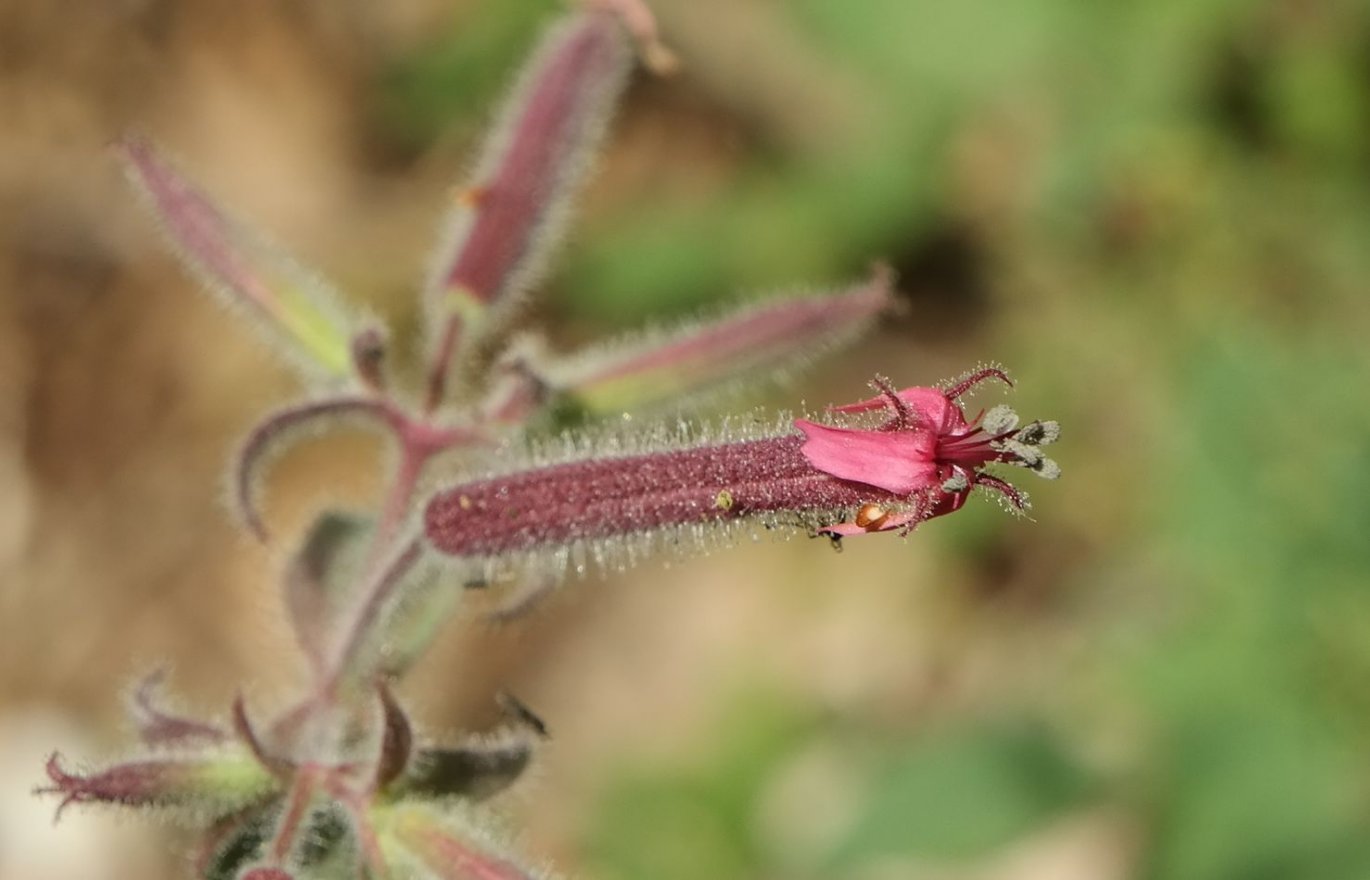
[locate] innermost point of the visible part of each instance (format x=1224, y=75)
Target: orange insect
x=871, y=517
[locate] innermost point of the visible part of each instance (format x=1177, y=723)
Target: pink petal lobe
x=934, y=410
x=896, y=461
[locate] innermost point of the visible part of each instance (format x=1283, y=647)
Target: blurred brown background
x=1158, y=216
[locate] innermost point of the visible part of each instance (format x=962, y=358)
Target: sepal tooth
x=214, y=784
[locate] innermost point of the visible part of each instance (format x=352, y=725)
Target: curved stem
x=269, y=433
x=380, y=590
x=398, y=499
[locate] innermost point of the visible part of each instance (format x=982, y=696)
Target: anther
x=1023, y=454
x=1039, y=433
x=954, y=484
x=1000, y=420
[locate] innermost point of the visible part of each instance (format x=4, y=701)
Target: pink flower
x=922, y=461
x=926, y=452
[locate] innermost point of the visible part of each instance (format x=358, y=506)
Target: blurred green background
x=1156, y=214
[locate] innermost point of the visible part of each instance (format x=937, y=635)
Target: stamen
x=1000, y=420
x=956, y=483
x=1022, y=454
x=1039, y=433
x=974, y=447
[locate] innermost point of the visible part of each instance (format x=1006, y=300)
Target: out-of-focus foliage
x=793, y=794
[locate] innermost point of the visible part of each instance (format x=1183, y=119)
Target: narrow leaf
x=397, y=738
x=297, y=310
x=406, y=600
x=754, y=342
x=506, y=223
x=322, y=577
x=444, y=847
x=277, y=765
x=396, y=609
x=480, y=768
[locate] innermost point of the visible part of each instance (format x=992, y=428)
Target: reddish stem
x=292, y=814
x=442, y=359
x=382, y=587
x=419, y=441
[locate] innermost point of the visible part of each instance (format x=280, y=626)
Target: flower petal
x=896, y=461
x=934, y=410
